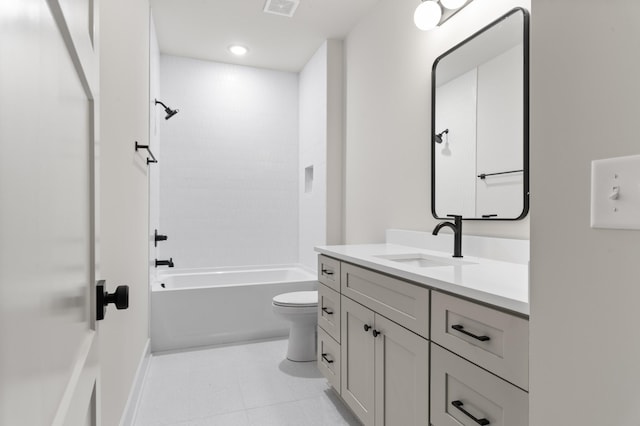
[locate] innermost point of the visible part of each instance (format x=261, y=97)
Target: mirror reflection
x=480, y=124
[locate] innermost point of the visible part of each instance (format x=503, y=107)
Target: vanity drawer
x=329, y=311
x=400, y=301
x=329, y=358
x=461, y=391
x=329, y=272
x=490, y=338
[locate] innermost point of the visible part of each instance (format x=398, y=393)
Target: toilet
x=300, y=308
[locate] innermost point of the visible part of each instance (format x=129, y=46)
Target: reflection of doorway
x=49, y=358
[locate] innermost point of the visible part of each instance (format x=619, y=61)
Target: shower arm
x=158, y=102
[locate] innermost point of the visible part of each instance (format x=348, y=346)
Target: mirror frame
x=525, y=122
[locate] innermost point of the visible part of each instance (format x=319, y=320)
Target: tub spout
x=168, y=263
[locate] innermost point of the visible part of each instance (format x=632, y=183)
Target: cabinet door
x=402, y=376
x=494, y=340
x=357, y=348
x=465, y=394
x=329, y=311
x=329, y=272
x=329, y=358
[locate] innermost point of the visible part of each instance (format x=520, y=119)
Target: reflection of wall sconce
x=433, y=13
x=438, y=136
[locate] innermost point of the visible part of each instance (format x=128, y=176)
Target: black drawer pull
x=376, y=333
x=327, y=272
x=327, y=311
x=367, y=327
x=329, y=361
x=461, y=329
x=459, y=404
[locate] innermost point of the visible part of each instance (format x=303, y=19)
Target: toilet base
x=302, y=341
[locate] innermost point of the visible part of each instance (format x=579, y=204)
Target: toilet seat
x=297, y=299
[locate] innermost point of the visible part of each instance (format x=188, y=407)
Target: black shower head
x=438, y=136
x=170, y=112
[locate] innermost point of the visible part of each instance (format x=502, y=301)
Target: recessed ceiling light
x=238, y=50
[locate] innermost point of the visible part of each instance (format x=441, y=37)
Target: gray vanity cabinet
x=329, y=313
x=385, y=369
x=374, y=349
x=479, y=364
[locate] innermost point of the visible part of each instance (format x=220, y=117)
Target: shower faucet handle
x=158, y=237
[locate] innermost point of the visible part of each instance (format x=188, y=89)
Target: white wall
x=320, y=143
x=312, y=226
x=124, y=118
x=456, y=155
x=156, y=114
x=388, y=77
x=500, y=113
x=229, y=180
x=585, y=288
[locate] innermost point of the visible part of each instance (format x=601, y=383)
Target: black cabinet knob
x=376, y=333
x=120, y=298
x=367, y=327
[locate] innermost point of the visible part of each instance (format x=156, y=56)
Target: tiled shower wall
x=229, y=180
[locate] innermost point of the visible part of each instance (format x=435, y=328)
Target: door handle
x=120, y=298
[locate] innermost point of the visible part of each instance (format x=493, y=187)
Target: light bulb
x=427, y=15
x=452, y=4
x=238, y=50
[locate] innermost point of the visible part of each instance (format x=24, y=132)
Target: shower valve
x=158, y=237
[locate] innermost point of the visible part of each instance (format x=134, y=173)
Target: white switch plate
x=615, y=193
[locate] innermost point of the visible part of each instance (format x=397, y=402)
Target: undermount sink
x=423, y=260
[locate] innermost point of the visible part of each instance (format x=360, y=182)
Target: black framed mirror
x=480, y=124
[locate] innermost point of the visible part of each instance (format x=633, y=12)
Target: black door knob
x=120, y=298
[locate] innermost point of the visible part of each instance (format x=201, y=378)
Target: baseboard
x=131, y=408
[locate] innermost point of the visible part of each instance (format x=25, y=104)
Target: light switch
x=615, y=193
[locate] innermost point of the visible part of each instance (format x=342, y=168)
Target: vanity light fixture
x=432, y=13
x=238, y=50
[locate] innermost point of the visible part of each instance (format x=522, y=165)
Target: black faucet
x=457, y=233
x=168, y=263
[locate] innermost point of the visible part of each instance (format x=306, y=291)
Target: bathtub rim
x=155, y=285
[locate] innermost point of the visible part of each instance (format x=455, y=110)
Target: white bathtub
x=201, y=307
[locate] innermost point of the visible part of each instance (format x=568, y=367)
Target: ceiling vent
x=281, y=7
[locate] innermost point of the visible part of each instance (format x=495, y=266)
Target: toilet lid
x=297, y=298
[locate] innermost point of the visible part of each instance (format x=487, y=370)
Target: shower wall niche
x=231, y=176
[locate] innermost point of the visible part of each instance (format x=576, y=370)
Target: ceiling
x=204, y=29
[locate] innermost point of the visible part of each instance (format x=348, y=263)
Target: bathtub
x=201, y=307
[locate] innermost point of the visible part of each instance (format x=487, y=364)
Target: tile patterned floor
x=245, y=385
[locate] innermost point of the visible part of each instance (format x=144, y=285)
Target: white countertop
x=501, y=284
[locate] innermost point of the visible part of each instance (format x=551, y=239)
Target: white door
x=49, y=371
